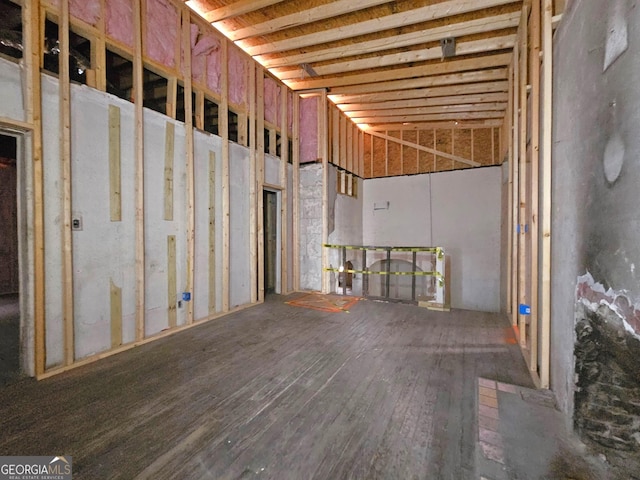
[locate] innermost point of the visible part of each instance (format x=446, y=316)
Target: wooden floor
x=276, y=391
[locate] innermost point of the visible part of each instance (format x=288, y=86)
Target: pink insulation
x=201, y=47
x=86, y=10
x=237, y=77
x=271, y=101
x=119, y=20
x=161, y=32
x=308, y=129
x=214, y=67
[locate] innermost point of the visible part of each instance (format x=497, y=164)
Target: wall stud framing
x=260, y=178
x=115, y=189
x=284, y=204
x=253, y=211
x=31, y=21
x=190, y=163
x=212, y=233
x=515, y=126
x=65, y=158
x=116, y=314
x=139, y=168
x=169, y=154
x=296, y=192
x=172, y=288
x=323, y=153
x=223, y=116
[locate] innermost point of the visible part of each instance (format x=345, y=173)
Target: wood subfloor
x=276, y=391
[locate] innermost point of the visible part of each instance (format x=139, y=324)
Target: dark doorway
x=9, y=267
x=270, y=210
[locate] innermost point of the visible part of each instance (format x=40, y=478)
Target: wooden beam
x=547, y=145
x=398, y=20
x=427, y=102
x=464, y=125
x=394, y=59
x=425, y=149
x=223, y=116
x=138, y=88
x=32, y=54
x=189, y=163
x=408, y=111
x=440, y=68
x=308, y=15
x=472, y=27
x=430, y=94
x=430, y=118
x=236, y=9
x=296, y=192
x=65, y=160
x=253, y=158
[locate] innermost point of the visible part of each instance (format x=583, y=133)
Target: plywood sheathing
x=394, y=155
x=409, y=154
x=368, y=169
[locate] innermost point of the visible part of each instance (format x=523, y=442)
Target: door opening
x=9, y=261
x=271, y=242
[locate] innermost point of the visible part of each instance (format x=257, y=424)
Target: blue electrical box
x=524, y=309
x=186, y=296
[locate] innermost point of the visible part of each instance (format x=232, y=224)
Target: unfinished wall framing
x=97, y=165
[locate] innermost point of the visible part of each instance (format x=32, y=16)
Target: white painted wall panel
x=54, y=343
x=203, y=144
x=156, y=228
x=240, y=260
x=272, y=170
x=465, y=206
x=12, y=105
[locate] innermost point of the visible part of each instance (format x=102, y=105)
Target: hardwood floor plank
x=275, y=391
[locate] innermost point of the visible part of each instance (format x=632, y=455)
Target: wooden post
x=509, y=124
x=515, y=180
x=323, y=146
x=253, y=211
x=284, y=215
x=139, y=169
x=32, y=54
x=522, y=277
x=535, y=175
x=260, y=178
x=65, y=159
x=190, y=163
x=547, y=105
x=296, y=192
x=223, y=117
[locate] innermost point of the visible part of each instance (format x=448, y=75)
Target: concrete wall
x=459, y=211
x=310, y=226
x=596, y=172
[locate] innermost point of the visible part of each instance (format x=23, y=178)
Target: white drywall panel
x=156, y=228
x=103, y=251
x=54, y=342
x=239, y=241
x=466, y=222
x=12, y=105
x=204, y=144
x=396, y=211
x=272, y=170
